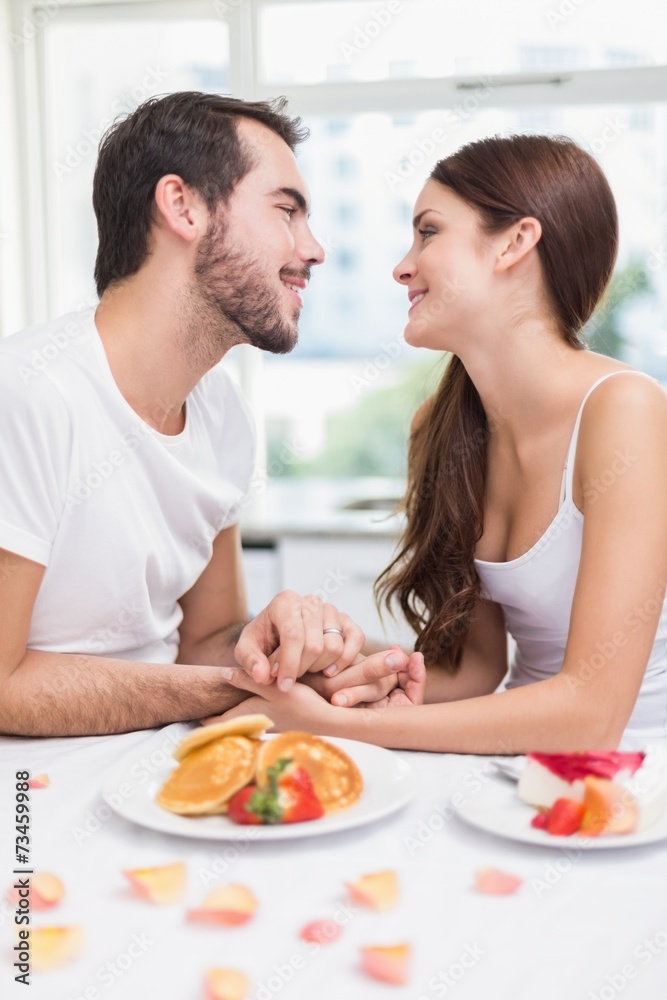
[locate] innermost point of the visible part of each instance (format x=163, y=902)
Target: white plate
x=497, y=809
x=389, y=783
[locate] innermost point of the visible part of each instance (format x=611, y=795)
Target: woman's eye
x=426, y=232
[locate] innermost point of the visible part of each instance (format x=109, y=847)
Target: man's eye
x=289, y=209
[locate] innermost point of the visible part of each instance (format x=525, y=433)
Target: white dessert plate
x=497, y=809
x=389, y=783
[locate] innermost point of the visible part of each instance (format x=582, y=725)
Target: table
x=586, y=927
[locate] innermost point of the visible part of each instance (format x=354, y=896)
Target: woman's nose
x=403, y=271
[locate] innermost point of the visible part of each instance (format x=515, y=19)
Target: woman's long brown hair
x=433, y=578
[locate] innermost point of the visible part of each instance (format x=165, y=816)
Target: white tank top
x=536, y=591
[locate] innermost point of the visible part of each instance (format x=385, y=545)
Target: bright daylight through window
x=340, y=405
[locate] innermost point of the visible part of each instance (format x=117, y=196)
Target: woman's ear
x=516, y=242
x=178, y=208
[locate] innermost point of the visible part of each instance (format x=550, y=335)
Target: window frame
x=32, y=215
x=33, y=212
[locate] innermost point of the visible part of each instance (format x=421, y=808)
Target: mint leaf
x=265, y=802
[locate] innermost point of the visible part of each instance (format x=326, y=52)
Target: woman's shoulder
x=623, y=406
x=621, y=387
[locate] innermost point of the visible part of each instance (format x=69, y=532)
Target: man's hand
x=389, y=678
x=303, y=708
x=288, y=638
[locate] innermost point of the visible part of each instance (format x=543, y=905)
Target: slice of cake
x=641, y=776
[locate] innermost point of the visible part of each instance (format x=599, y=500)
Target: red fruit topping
x=298, y=797
x=601, y=763
x=237, y=807
x=288, y=797
x=539, y=821
x=564, y=817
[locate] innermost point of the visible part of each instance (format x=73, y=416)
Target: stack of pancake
x=217, y=761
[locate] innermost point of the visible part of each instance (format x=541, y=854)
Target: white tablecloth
x=591, y=926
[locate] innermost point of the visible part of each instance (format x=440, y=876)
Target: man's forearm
x=216, y=649
x=63, y=694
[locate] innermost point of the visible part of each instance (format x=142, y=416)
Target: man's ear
x=516, y=242
x=179, y=209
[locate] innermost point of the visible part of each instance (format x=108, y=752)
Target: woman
x=537, y=488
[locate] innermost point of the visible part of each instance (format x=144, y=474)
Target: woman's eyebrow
x=294, y=194
x=417, y=219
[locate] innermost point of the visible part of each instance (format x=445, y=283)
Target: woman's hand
x=288, y=638
x=304, y=708
x=410, y=688
x=300, y=708
x=411, y=684
x=368, y=680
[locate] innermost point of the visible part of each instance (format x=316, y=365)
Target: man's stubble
x=231, y=302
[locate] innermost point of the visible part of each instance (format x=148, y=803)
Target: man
x=125, y=448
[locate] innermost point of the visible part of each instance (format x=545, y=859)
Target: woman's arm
x=483, y=667
x=621, y=479
x=484, y=662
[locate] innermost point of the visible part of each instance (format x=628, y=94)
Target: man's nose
x=310, y=251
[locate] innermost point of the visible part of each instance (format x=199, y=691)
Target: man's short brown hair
x=190, y=134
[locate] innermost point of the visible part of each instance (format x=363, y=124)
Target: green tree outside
x=602, y=332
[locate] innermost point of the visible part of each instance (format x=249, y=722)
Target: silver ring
x=338, y=631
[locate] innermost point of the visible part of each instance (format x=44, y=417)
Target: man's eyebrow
x=294, y=194
x=418, y=218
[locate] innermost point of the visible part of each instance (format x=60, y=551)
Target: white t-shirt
x=123, y=517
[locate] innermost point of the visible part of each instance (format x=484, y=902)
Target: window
x=362, y=347
x=345, y=260
x=346, y=166
x=362, y=41
x=386, y=88
x=89, y=86
x=549, y=58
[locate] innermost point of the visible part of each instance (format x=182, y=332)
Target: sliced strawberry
x=565, y=816
x=288, y=797
x=298, y=797
x=539, y=820
x=237, y=807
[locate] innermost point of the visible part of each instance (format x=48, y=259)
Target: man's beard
x=234, y=290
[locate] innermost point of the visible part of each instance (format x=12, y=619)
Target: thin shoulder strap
x=568, y=471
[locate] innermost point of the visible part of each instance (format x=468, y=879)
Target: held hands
x=376, y=681
x=303, y=637
x=371, y=682
x=295, y=634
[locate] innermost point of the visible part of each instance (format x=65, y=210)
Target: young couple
x=124, y=458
